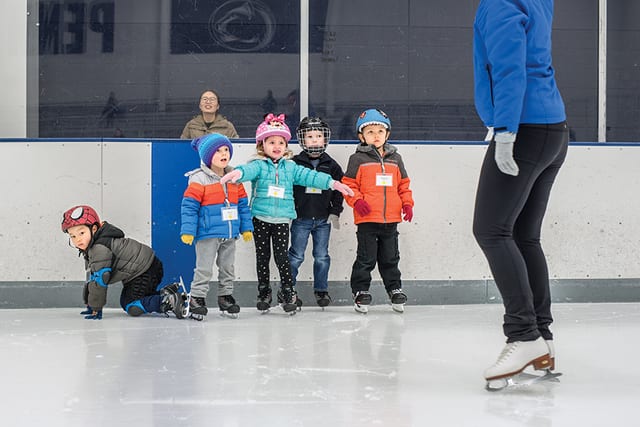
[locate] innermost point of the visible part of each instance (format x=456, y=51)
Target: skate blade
x=228, y=315
x=291, y=310
x=198, y=317
x=322, y=304
x=186, y=296
x=364, y=309
x=523, y=379
x=185, y=311
x=398, y=308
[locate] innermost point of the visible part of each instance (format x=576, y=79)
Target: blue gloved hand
x=87, y=310
x=95, y=315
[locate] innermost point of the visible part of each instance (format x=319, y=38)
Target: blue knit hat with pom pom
x=207, y=145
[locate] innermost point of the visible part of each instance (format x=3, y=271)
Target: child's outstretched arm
x=232, y=176
x=312, y=178
x=343, y=188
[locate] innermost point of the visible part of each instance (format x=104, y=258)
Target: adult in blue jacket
x=517, y=99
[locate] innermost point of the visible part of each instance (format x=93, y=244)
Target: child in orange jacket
x=382, y=199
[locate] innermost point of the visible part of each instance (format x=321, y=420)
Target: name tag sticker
x=229, y=214
x=312, y=190
x=276, y=191
x=384, y=180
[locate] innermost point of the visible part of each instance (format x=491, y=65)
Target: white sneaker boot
x=516, y=356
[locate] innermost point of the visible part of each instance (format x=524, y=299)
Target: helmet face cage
x=309, y=124
x=79, y=215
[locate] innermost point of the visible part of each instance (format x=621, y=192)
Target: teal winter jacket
x=263, y=173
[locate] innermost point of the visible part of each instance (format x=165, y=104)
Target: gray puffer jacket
x=112, y=258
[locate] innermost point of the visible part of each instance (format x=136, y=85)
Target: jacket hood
x=107, y=231
x=388, y=149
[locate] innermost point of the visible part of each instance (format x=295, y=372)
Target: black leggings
x=265, y=233
x=507, y=221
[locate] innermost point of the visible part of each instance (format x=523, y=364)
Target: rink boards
x=591, y=233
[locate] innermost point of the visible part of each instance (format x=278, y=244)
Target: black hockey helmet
x=313, y=123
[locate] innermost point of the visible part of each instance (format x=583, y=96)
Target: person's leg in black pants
x=507, y=221
x=389, y=256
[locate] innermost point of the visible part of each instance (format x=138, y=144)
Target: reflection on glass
x=411, y=59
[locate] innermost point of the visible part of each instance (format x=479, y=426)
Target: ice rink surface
x=332, y=368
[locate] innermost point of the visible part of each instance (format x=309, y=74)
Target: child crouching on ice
x=273, y=175
x=110, y=257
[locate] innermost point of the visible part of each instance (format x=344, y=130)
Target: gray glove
x=335, y=221
x=504, y=153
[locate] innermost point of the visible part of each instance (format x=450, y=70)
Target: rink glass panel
x=412, y=59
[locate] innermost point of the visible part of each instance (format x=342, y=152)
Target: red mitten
x=407, y=213
x=362, y=207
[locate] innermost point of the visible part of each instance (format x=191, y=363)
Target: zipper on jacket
x=490, y=84
x=227, y=204
x=384, y=190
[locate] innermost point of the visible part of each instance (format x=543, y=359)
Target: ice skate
x=198, y=308
x=264, y=299
x=361, y=301
x=552, y=354
x=514, y=359
x=322, y=298
x=398, y=298
x=299, y=303
x=228, y=306
x=288, y=299
x=175, y=298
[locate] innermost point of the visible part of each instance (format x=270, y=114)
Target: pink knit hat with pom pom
x=273, y=125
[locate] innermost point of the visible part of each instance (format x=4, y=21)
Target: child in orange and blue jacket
x=213, y=216
x=381, y=200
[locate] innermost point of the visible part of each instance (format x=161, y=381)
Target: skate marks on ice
x=381, y=369
x=532, y=406
x=529, y=399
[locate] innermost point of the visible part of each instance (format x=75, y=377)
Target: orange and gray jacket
x=366, y=171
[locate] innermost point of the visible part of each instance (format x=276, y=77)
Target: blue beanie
x=207, y=145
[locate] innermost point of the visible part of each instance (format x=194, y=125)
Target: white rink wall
x=591, y=230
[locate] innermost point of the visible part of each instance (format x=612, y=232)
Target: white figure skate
x=515, y=358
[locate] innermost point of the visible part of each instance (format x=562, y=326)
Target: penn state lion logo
x=242, y=25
